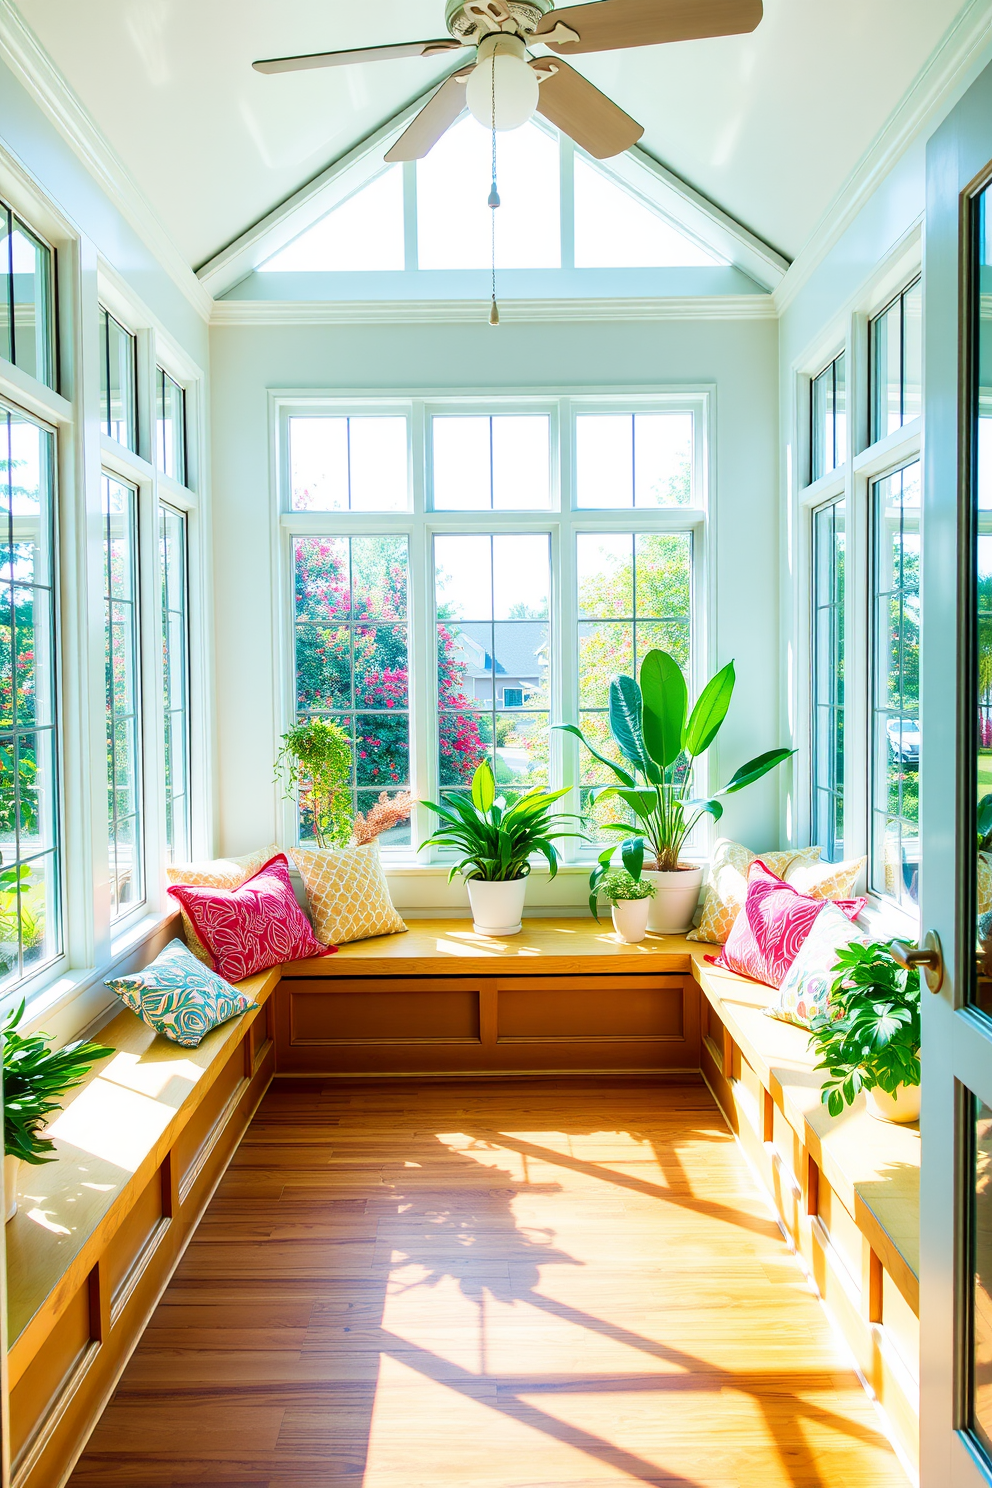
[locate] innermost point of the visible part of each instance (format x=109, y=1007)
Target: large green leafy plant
x=496, y=836
x=35, y=1077
x=661, y=741
x=315, y=759
x=870, y=1034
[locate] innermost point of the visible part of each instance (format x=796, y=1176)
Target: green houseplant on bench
x=35, y=1077
x=496, y=836
x=660, y=742
x=869, y=1037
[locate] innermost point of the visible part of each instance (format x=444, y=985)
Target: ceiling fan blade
x=608, y=24
x=434, y=119
x=571, y=102
x=362, y=54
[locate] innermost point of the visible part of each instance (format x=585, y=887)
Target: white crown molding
x=945, y=70
x=31, y=64
x=463, y=312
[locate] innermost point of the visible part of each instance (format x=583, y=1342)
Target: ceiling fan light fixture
x=503, y=61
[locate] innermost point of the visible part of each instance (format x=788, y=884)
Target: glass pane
x=378, y=464
x=31, y=277
x=462, y=464
x=606, y=650
x=828, y=678
x=454, y=220
x=117, y=382
x=337, y=464
x=6, y=287
x=521, y=462
x=492, y=665
x=663, y=459
x=171, y=427
x=352, y=655
x=840, y=410
x=318, y=463
x=363, y=233
x=604, y=459
x=912, y=310
x=896, y=728
x=821, y=435
x=886, y=372
x=605, y=564
x=30, y=933
x=614, y=230
x=981, y=1291
x=981, y=988
x=123, y=691
x=175, y=683
x=662, y=587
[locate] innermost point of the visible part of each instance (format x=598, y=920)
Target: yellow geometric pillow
x=216, y=873
x=347, y=893
x=727, y=884
x=826, y=880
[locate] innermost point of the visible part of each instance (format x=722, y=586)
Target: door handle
x=928, y=957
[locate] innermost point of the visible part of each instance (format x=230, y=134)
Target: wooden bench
x=144, y=1142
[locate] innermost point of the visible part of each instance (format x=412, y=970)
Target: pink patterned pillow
x=769, y=932
x=253, y=927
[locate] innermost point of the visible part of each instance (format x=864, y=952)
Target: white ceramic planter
x=630, y=919
x=903, y=1106
x=11, y=1165
x=497, y=908
x=672, y=908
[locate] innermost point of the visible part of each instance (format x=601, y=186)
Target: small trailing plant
x=632, y=857
x=315, y=762
x=870, y=1035
x=381, y=817
x=497, y=835
x=660, y=741
x=618, y=885
x=35, y=1077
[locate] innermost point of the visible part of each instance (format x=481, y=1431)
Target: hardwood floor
x=509, y=1285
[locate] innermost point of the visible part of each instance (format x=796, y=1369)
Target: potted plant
x=315, y=761
x=661, y=741
x=630, y=899
x=34, y=1077
x=496, y=839
x=869, y=1037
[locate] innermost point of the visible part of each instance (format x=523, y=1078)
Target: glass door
x=956, y=805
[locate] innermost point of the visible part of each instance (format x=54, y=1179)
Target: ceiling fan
x=503, y=85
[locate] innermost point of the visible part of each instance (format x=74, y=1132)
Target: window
x=349, y=464
x=613, y=229
x=829, y=584
x=828, y=419
x=352, y=655
x=492, y=602
x=118, y=381
x=30, y=875
x=170, y=426
x=642, y=459
x=896, y=340
x=895, y=711
x=486, y=463
x=120, y=503
x=533, y=601
x=364, y=232
x=175, y=677
x=634, y=594
x=27, y=285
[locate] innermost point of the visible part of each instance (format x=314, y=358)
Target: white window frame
x=562, y=520
x=864, y=463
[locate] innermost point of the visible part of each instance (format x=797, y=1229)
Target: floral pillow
x=253, y=927
x=180, y=997
x=769, y=932
x=216, y=873
x=805, y=992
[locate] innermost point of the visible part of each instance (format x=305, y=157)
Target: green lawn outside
x=984, y=772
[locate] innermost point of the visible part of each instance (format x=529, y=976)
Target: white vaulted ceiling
x=769, y=126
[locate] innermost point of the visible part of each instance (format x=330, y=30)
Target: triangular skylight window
x=454, y=219
x=614, y=230
x=364, y=232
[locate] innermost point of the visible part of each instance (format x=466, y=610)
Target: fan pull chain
x=494, y=203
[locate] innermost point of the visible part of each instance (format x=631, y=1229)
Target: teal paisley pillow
x=178, y=996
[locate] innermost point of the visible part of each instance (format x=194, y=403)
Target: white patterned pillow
x=805, y=992
x=180, y=997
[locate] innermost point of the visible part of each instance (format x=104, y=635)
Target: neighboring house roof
x=520, y=647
